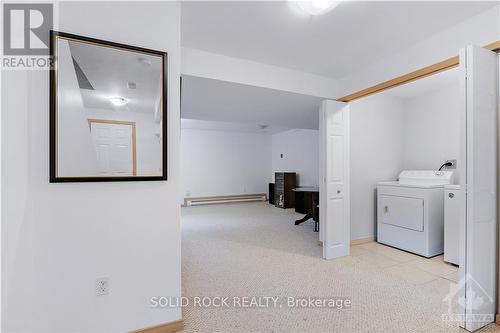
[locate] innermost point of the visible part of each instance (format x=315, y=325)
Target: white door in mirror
x=114, y=148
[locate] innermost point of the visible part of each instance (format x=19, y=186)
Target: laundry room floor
x=433, y=273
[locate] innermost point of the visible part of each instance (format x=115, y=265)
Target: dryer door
x=402, y=212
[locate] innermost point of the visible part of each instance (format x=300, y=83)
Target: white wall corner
x=220, y=67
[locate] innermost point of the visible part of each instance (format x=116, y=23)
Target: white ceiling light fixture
x=316, y=7
x=118, y=101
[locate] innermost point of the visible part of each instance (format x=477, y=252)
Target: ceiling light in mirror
x=118, y=101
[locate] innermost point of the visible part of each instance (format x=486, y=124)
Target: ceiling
x=108, y=71
x=434, y=82
x=214, y=100
x=335, y=44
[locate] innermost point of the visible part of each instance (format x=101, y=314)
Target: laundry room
x=405, y=169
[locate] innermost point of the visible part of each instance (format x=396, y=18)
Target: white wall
x=221, y=67
x=432, y=129
x=376, y=137
x=58, y=238
x=216, y=162
x=480, y=29
x=224, y=162
x=300, y=149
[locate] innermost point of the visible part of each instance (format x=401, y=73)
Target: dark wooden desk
x=306, y=202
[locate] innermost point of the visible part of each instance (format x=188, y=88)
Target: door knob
x=451, y=195
x=338, y=191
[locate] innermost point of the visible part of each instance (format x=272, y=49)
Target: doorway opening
x=256, y=149
x=405, y=208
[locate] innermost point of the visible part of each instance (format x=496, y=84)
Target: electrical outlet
x=102, y=286
x=453, y=164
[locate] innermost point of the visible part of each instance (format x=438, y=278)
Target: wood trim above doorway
x=171, y=327
x=415, y=75
x=134, y=137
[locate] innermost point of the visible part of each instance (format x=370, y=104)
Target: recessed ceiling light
x=118, y=101
x=317, y=7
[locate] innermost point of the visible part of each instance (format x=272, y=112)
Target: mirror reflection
x=109, y=111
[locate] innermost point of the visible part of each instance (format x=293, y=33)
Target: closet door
x=479, y=257
x=334, y=179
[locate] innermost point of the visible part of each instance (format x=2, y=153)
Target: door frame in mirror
x=53, y=139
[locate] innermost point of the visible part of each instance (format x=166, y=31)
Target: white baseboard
x=224, y=199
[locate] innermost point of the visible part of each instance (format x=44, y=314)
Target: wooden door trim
x=413, y=76
x=134, y=138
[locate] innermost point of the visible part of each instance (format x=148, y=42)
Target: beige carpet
x=253, y=249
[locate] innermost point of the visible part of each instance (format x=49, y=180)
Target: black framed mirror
x=108, y=111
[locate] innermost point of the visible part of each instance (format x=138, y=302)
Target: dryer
x=410, y=211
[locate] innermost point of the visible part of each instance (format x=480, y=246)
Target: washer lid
x=395, y=183
x=425, y=177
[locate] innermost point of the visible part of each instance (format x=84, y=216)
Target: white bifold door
x=478, y=174
x=334, y=214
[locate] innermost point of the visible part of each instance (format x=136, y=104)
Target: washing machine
x=410, y=211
